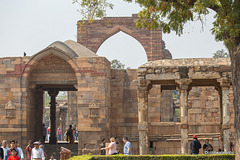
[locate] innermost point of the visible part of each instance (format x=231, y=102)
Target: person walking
x=70, y=136
x=118, y=144
x=37, y=152
x=103, y=145
x=44, y=132
x=5, y=148
x=127, y=149
x=29, y=149
x=111, y=147
x=20, y=150
x=12, y=146
x=195, y=145
x=1, y=154
x=14, y=155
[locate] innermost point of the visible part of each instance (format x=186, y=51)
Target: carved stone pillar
x=225, y=85
x=143, y=91
x=53, y=94
x=183, y=86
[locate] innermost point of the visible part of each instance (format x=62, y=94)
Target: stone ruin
x=159, y=106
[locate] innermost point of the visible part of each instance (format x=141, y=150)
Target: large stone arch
x=53, y=67
x=93, y=35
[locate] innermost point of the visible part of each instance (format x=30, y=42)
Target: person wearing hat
x=37, y=152
x=195, y=145
x=14, y=155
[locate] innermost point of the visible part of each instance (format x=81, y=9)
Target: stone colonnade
x=184, y=74
x=184, y=88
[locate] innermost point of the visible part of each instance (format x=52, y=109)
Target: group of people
x=195, y=145
x=114, y=147
x=15, y=152
x=71, y=133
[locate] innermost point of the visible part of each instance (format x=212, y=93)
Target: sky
x=31, y=25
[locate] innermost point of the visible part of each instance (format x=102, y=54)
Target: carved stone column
x=53, y=94
x=183, y=86
x=143, y=91
x=225, y=85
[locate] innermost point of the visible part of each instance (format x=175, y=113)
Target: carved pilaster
x=143, y=90
x=225, y=86
x=183, y=86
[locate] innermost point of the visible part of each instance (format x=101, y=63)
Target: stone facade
x=159, y=106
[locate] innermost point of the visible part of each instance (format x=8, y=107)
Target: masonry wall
x=12, y=116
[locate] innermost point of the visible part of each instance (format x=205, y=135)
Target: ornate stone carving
x=94, y=109
x=10, y=110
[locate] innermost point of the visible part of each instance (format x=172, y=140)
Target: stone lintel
x=142, y=127
x=226, y=126
x=183, y=84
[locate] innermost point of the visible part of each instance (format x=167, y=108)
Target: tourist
x=20, y=150
x=5, y=148
x=59, y=133
x=195, y=145
x=127, y=149
x=44, y=132
x=69, y=134
x=207, y=147
x=118, y=144
x=111, y=147
x=13, y=155
x=52, y=157
x=12, y=146
x=103, y=145
x=48, y=133
x=41, y=144
x=29, y=149
x=37, y=152
x=1, y=154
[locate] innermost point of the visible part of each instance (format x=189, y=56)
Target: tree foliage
x=220, y=54
x=116, y=64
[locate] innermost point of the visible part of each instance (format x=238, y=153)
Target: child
x=14, y=155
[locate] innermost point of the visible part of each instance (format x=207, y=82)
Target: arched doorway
x=52, y=74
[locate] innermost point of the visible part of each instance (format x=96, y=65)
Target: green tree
x=220, y=54
x=116, y=64
x=172, y=15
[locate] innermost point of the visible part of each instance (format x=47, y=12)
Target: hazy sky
x=31, y=25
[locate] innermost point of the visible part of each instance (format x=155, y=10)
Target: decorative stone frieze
x=10, y=110
x=94, y=109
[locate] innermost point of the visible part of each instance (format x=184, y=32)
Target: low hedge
x=158, y=157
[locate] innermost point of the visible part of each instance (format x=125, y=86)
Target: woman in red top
x=14, y=155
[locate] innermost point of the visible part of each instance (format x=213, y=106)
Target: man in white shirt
x=20, y=150
x=37, y=153
x=5, y=148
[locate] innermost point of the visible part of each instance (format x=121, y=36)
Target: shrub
x=158, y=157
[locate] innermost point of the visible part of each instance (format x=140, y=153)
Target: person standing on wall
x=44, y=132
x=127, y=149
x=195, y=145
x=69, y=134
x=59, y=133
